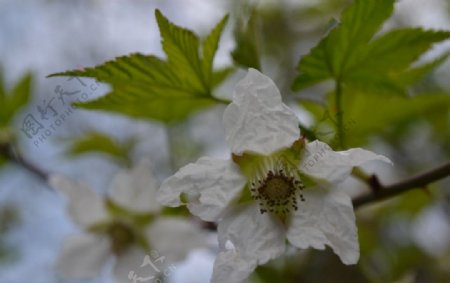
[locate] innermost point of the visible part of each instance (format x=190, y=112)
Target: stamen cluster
x=276, y=188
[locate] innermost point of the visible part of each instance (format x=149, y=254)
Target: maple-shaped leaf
x=354, y=57
x=167, y=90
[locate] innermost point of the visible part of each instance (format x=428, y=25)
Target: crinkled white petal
x=85, y=206
x=132, y=264
x=136, y=189
x=83, y=256
x=175, y=237
x=257, y=120
x=254, y=235
x=326, y=218
x=209, y=185
x=230, y=267
x=321, y=162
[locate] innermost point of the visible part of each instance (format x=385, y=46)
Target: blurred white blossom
x=276, y=186
x=125, y=225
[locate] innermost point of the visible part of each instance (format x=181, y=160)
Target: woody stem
x=9, y=152
x=421, y=180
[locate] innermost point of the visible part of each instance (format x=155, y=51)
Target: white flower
x=125, y=225
x=275, y=187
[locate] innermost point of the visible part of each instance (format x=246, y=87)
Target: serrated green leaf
x=385, y=66
x=221, y=75
x=101, y=143
x=369, y=115
x=395, y=50
x=371, y=81
x=135, y=69
x=145, y=86
x=351, y=56
x=181, y=46
x=415, y=74
x=16, y=99
x=358, y=24
x=246, y=53
x=169, y=108
x=210, y=46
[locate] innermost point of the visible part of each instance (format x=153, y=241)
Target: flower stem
x=340, y=115
x=380, y=192
x=8, y=151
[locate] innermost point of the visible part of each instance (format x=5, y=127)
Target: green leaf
x=3, y=152
x=358, y=23
x=415, y=74
x=101, y=143
x=16, y=99
x=221, y=75
x=210, y=46
x=20, y=94
x=2, y=160
x=169, y=105
x=145, y=86
x=181, y=46
x=350, y=55
x=396, y=83
x=2, y=87
x=397, y=113
x=246, y=53
x=6, y=137
x=396, y=50
x=368, y=115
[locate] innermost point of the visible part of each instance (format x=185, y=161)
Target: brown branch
x=7, y=150
x=421, y=180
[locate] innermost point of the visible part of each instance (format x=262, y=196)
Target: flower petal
x=254, y=235
x=321, y=162
x=130, y=264
x=86, y=207
x=136, y=189
x=83, y=256
x=326, y=218
x=164, y=236
x=230, y=267
x=209, y=184
x=257, y=120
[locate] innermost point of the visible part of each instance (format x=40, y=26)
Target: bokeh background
x=406, y=239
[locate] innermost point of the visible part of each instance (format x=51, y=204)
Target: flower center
x=276, y=187
x=122, y=236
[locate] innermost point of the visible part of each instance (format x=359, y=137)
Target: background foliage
x=362, y=78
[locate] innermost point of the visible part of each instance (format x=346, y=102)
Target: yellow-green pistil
x=277, y=192
x=275, y=181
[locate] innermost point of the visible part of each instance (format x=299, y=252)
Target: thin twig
x=380, y=192
x=15, y=157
